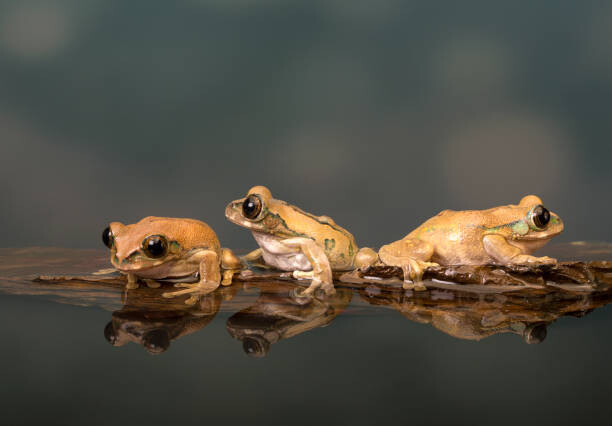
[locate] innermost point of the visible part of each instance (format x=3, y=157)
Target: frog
x=171, y=249
x=500, y=235
x=290, y=239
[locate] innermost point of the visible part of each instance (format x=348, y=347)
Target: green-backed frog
x=293, y=240
x=163, y=248
x=500, y=235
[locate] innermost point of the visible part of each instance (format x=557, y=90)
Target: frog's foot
x=321, y=273
x=196, y=290
x=132, y=282
x=504, y=253
x=317, y=282
x=230, y=264
x=525, y=259
x=413, y=273
x=210, y=277
x=228, y=276
x=152, y=283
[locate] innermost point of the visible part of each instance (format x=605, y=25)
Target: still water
x=79, y=352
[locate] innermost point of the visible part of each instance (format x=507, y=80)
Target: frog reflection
x=473, y=316
x=279, y=314
x=145, y=320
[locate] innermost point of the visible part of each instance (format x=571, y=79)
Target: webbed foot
x=525, y=259
x=317, y=282
x=413, y=273
x=197, y=290
x=152, y=283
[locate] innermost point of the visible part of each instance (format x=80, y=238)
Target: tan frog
x=163, y=248
x=292, y=240
x=500, y=235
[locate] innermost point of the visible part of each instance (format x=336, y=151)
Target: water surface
x=360, y=357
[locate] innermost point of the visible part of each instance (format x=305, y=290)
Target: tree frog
x=293, y=240
x=163, y=248
x=500, y=235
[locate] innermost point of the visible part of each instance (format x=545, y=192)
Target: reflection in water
x=278, y=314
x=519, y=301
x=154, y=326
x=474, y=316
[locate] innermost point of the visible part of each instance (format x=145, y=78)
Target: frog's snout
x=232, y=211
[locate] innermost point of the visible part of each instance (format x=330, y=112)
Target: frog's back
x=339, y=244
x=189, y=233
x=457, y=235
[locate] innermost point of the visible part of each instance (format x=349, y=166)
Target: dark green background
x=378, y=114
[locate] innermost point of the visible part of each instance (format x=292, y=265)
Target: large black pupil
x=107, y=237
x=541, y=217
x=156, y=247
x=250, y=207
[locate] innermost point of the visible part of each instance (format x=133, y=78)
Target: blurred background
x=378, y=114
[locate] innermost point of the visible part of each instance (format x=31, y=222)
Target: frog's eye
x=155, y=246
x=255, y=346
x=540, y=217
x=110, y=334
x=107, y=237
x=156, y=341
x=252, y=206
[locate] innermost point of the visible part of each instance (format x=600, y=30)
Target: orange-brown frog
x=172, y=249
x=500, y=235
x=291, y=239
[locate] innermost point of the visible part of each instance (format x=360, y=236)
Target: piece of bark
x=589, y=276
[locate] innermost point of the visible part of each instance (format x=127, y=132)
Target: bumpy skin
x=192, y=247
x=500, y=235
x=293, y=240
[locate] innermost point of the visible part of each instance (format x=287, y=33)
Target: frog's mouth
x=232, y=213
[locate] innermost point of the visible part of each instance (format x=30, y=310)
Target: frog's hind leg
x=210, y=278
x=230, y=264
x=412, y=256
x=321, y=273
x=253, y=255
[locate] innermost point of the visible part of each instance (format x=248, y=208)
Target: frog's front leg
x=321, y=273
x=210, y=278
x=132, y=282
x=412, y=256
x=505, y=253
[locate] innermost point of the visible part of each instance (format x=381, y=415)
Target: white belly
x=280, y=256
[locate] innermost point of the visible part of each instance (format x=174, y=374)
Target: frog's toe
x=305, y=293
x=199, y=289
x=182, y=285
x=228, y=276
x=131, y=285
x=329, y=289
x=415, y=286
x=152, y=283
x=303, y=275
x=547, y=260
x=192, y=300
x=297, y=295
